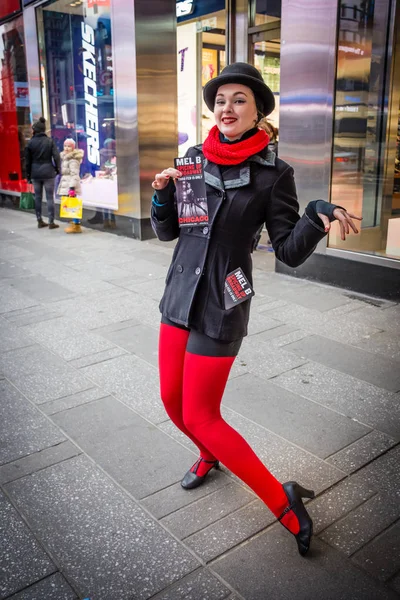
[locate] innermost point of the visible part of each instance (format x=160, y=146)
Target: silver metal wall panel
x=144, y=38
x=308, y=55
x=32, y=62
x=156, y=85
x=239, y=47
x=126, y=110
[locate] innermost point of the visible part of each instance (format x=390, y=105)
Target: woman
x=70, y=182
x=199, y=337
x=42, y=165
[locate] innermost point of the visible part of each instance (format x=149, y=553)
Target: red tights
x=191, y=390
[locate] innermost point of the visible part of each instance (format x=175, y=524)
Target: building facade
x=124, y=79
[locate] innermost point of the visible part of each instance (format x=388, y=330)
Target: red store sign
x=8, y=7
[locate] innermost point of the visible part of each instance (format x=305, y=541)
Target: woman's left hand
x=345, y=221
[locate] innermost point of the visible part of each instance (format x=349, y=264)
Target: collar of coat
x=75, y=154
x=213, y=175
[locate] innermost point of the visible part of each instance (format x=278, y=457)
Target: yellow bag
x=71, y=208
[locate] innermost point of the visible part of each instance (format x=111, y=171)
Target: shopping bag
x=70, y=207
x=27, y=201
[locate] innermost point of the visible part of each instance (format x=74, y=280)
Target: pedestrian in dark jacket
x=42, y=165
x=201, y=327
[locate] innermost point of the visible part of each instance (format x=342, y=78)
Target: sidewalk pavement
x=90, y=501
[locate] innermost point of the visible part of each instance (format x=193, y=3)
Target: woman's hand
x=161, y=179
x=345, y=221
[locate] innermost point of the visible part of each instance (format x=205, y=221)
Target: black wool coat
x=241, y=198
x=42, y=157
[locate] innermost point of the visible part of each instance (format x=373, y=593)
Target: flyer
x=191, y=197
x=237, y=289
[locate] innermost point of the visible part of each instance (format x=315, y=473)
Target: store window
x=201, y=55
x=75, y=42
x=365, y=171
x=265, y=43
x=15, y=127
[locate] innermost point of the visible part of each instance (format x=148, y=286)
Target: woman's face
x=235, y=110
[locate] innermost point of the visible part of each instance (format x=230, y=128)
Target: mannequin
x=70, y=182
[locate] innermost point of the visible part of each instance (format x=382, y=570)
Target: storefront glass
x=266, y=45
x=201, y=56
x=15, y=128
x=75, y=42
x=362, y=168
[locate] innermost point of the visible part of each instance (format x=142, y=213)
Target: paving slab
x=98, y=270
x=12, y=337
x=36, y=461
x=266, y=362
x=132, y=450
x=23, y=430
x=66, y=338
x=98, y=357
x=22, y=560
x=386, y=318
x=363, y=524
x=12, y=300
x=40, y=375
x=55, y=406
x=381, y=557
x=144, y=268
x=316, y=297
x=386, y=343
x=151, y=289
x=115, y=326
x=174, y=497
x=200, y=585
x=395, y=583
x=362, y=451
x=285, y=460
x=51, y=588
x=9, y=270
x=260, y=569
x=309, y=425
x=206, y=510
x=41, y=289
x=141, y=340
x=348, y=395
x=332, y=324
x=260, y=322
x=270, y=334
x=338, y=502
x=375, y=369
x=170, y=429
x=100, y=538
x=382, y=473
x=131, y=380
x=230, y=531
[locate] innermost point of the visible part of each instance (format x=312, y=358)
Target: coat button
x=218, y=193
x=189, y=229
x=205, y=230
x=179, y=268
x=198, y=271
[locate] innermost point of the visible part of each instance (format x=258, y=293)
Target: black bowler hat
x=246, y=75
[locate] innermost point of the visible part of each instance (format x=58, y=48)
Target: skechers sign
x=90, y=87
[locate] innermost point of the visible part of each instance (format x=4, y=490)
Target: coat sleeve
x=293, y=238
x=164, y=215
x=28, y=161
x=56, y=156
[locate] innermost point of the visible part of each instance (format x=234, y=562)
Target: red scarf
x=233, y=154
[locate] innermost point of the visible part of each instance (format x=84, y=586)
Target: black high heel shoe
x=294, y=493
x=192, y=480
